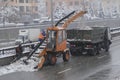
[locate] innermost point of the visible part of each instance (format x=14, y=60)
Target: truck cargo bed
x=92, y=34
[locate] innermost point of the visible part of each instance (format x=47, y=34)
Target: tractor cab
x=56, y=39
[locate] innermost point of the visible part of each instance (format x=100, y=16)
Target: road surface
x=105, y=66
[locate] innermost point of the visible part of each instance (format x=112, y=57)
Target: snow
x=85, y=28
x=20, y=24
x=20, y=66
x=7, y=24
x=78, y=40
x=9, y=13
x=41, y=8
x=7, y=55
x=61, y=10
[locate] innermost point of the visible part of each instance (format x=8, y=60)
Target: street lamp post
x=52, y=23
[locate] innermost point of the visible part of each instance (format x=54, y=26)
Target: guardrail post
x=3, y=51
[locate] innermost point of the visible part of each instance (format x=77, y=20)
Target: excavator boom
x=64, y=18
x=81, y=13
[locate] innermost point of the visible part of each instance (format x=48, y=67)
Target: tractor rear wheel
x=66, y=56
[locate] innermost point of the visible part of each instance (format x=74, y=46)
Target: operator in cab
x=42, y=35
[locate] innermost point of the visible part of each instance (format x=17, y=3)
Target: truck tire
x=92, y=52
x=66, y=56
x=98, y=47
x=107, y=46
x=75, y=52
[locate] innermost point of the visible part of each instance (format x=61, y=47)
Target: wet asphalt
x=105, y=66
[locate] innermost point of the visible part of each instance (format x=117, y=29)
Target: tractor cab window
x=61, y=36
x=51, y=39
x=51, y=36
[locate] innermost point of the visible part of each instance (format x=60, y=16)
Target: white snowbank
x=85, y=28
x=20, y=66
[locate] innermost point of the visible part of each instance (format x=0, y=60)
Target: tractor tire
x=66, y=56
x=52, y=59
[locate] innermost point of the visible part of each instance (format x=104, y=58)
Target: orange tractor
x=57, y=41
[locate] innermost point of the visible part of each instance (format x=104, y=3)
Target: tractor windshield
x=51, y=39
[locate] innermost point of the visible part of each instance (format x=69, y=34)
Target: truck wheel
x=92, y=52
x=98, y=48
x=66, y=56
x=107, y=47
x=75, y=52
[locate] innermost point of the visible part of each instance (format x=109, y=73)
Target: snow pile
x=20, y=66
x=85, y=28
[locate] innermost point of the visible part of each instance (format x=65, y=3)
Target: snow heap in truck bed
x=84, y=28
x=20, y=66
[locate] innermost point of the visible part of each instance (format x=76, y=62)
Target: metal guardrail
x=10, y=51
x=115, y=30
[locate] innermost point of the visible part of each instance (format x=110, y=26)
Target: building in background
x=39, y=8
x=95, y=8
x=28, y=7
x=25, y=7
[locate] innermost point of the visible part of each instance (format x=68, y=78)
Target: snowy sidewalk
x=20, y=66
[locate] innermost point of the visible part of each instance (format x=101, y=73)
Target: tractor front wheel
x=52, y=59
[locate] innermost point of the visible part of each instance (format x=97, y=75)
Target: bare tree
x=8, y=12
x=41, y=8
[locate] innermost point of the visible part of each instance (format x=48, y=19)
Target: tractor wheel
x=53, y=60
x=66, y=56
